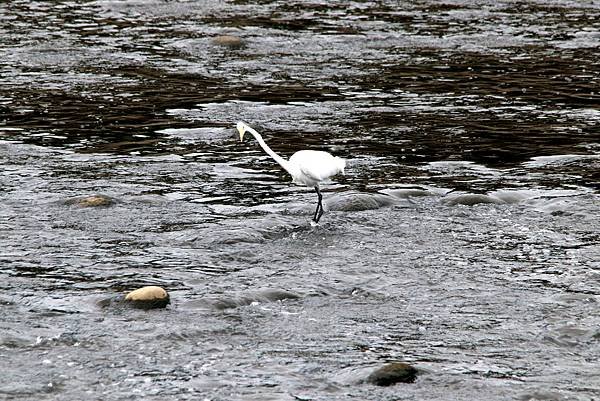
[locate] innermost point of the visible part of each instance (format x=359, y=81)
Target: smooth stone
x=228, y=41
x=150, y=297
x=392, y=373
x=274, y=295
x=355, y=202
x=405, y=193
x=472, y=199
x=511, y=196
x=91, y=201
x=545, y=395
x=264, y=296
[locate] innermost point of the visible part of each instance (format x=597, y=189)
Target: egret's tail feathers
x=341, y=164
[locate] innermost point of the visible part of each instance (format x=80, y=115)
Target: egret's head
x=241, y=127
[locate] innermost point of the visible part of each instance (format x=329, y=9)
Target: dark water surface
x=463, y=239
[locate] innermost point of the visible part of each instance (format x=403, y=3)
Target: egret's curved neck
x=282, y=162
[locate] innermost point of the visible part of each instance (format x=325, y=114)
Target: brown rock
x=91, y=201
x=392, y=373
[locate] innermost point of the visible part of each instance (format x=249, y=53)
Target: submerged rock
x=512, y=196
x=263, y=296
x=228, y=41
x=283, y=75
x=472, y=199
x=150, y=297
x=274, y=295
x=91, y=201
x=405, y=193
x=392, y=373
x=354, y=202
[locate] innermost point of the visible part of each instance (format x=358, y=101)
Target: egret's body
x=307, y=167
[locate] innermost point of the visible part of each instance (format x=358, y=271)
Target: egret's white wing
x=317, y=165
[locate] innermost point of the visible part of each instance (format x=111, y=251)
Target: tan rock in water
x=91, y=201
x=228, y=41
x=95, y=201
x=148, y=297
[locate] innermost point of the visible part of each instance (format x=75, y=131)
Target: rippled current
x=464, y=238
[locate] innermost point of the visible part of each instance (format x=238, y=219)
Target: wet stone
x=91, y=201
x=111, y=301
x=358, y=202
x=282, y=75
x=405, y=193
x=472, y=199
x=263, y=296
x=230, y=41
x=511, y=196
x=273, y=295
x=392, y=373
x=151, y=297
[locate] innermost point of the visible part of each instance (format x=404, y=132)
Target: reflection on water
x=463, y=237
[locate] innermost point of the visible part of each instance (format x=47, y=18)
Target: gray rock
x=354, y=202
x=262, y=296
x=405, y=193
x=472, y=199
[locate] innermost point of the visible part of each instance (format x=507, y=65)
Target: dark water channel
x=463, y=239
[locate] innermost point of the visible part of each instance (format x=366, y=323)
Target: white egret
x=307, y=167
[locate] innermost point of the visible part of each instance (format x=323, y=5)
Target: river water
x=464, y=238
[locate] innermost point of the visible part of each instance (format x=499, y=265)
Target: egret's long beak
x=242, y=130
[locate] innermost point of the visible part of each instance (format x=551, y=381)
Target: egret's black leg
x=319, y=210
x=320, y=213
x=318, y=205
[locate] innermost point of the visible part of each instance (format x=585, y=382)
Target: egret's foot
x=313, y=223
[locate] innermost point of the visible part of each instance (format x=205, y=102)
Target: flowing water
x=463, y=239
